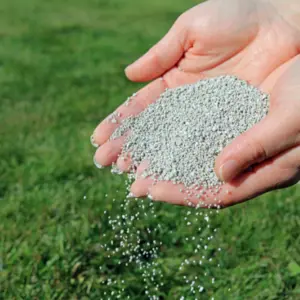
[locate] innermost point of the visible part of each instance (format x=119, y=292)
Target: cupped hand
x=252, y=40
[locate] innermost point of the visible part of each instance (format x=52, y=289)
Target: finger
x=271, y=136
x=141, y=168
x=140, y=187
x=176, y=194
x=279, y=172
x=124, y=163
x=160, y=58
x=109, y=152
x=168, y=192
x=133, y=107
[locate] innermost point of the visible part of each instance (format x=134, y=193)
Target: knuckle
x=258, y=152
x=157, y=57
x=108, y=153
x=254, y=148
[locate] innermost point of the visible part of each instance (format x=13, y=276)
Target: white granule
x=181, y=134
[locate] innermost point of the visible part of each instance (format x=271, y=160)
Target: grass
x=61, y=72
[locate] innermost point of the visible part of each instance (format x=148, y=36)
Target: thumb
x=161, y=57
x=273, y=135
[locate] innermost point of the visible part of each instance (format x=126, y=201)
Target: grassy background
x=61, y=71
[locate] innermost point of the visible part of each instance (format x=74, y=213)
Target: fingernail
x=93, y=141
x=228, y=170
x=149, y=196
x=99, y=166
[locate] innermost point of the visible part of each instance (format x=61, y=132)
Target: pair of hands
x=256, y=40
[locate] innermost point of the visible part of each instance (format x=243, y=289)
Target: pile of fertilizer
x=181, y=134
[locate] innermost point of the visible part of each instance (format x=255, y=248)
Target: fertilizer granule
x=181, y=134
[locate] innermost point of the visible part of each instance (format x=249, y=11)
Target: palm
x=233, y=39
x=215, y=38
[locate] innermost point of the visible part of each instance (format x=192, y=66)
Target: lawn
x=61, y=72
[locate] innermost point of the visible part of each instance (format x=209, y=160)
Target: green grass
x=61, y=72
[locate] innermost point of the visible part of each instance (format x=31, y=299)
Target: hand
x=249, y=39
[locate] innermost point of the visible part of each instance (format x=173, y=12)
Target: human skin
x=256, y=40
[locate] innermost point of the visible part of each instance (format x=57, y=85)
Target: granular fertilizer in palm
x=181, y=134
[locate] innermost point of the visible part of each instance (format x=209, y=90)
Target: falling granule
x=138, y=244
x=181, y=134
